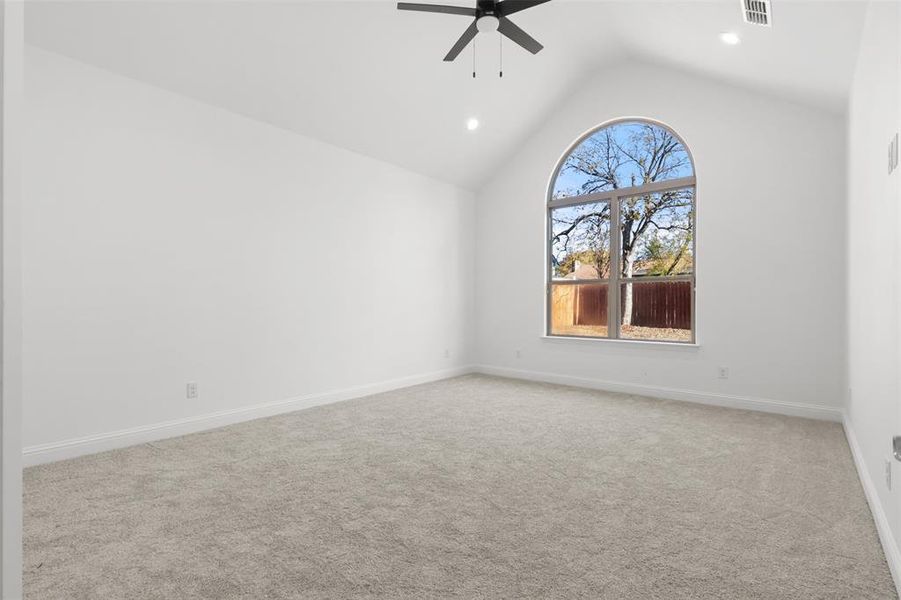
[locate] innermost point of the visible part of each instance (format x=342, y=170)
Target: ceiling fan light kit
x=487, y=17
x=487, y=24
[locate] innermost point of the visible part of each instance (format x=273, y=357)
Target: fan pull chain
x=500, y=43
x=473, y=59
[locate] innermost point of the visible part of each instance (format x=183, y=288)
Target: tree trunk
x=628, y=269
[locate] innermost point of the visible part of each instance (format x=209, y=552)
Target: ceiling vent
x=757, y=12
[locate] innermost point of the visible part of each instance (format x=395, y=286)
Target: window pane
x=620, y=156
x=580, y=242
x=657, y=234
x=579, y=310
x=656, y=310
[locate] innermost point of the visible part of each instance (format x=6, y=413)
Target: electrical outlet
x=888, y=474
x=518, y=353
x=446, y=353
x=722, y=372
x=191, y=389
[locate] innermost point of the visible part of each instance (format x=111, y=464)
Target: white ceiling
x=367, y=77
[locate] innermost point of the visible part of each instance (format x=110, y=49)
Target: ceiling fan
x=488, y=16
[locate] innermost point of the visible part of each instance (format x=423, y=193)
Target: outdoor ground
x=628, y=332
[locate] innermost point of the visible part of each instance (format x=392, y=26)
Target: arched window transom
x=621, y=237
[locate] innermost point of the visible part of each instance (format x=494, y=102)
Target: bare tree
x=638, y=154
x=581, y=234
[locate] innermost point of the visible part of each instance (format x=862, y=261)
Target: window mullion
x=613, y=320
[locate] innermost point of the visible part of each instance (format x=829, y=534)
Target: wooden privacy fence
x=662, y=304
x=654, y=304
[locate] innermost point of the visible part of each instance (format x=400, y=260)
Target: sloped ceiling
x=369, y=78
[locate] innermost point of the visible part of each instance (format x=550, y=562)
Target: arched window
x=621, y=236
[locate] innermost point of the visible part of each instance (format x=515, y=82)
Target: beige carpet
x=474, y=487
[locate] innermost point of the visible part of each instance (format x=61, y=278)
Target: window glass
x=580, y=241
x=626, y=154
x=656, y=232
x=579, y=310
x=656, y=311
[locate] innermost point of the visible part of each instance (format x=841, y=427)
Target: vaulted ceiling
x=369, y=78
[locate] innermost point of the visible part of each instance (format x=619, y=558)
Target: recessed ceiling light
x=472, y=124
x=730, y=38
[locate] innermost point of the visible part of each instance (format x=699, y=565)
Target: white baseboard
x=889, y=544
x=45, y=453
x=794, y=409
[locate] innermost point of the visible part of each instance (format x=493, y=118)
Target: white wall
x=873, y=274
x=770, y=241
x=12, y=48
x=168, y=241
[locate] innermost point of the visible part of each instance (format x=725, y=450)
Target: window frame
x=614, y=283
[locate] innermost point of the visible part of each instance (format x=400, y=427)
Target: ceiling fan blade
x=464, y=40
x=508, y=7
x=509, y=29
x=437, y=8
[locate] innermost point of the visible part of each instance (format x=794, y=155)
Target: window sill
x=646, y=343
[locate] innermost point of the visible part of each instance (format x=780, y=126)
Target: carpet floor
x=474, y=487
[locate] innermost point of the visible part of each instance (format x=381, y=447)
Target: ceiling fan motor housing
x=486, y=7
